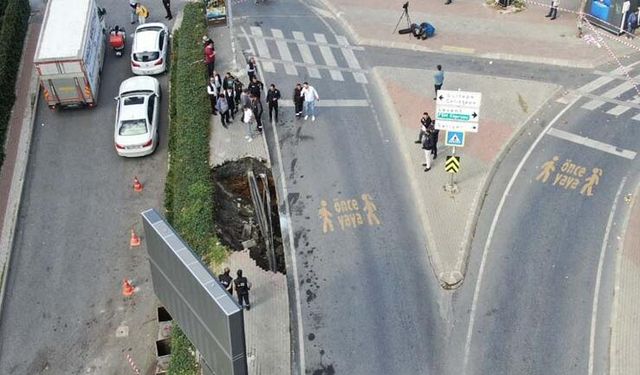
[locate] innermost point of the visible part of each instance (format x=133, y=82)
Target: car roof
x=138, y=83
x=146, y=37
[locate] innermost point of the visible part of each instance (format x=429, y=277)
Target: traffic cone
x=127, y=288
x=135, y=240
x=137, y=186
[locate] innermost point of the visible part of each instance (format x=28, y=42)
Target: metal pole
x=451, y=183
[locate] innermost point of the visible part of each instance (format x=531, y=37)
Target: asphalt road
x=549, y=261
x=71, y=250
x=367, y=293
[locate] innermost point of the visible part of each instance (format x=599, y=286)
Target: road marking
x=494, y=222
x=607, y=77
x=309, y=42
x=620, y=109
x=596, y=294
x=352, y=61
x=611, y=94
x=290, y=69
x=263, y=50
x=307, y=57
x=349, y=213
x=330, y=103
x=287, y=212
x=457, y=49
x=597, y=145
x=569, y=175
x=605, y=100
x=304, y=65
x=327, y=55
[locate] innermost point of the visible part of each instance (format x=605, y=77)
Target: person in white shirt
x=310, y=97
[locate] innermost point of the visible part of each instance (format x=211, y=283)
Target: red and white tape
x=135, y=368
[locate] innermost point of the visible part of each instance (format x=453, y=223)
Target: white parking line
x=328, y=57
x=290, y=69
x=263, y=50
x=307, y=57
x=597, y=145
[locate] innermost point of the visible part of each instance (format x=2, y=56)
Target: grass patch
x=188, y=189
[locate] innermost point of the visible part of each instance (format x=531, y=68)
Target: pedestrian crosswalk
x=612, y=93
x=306, y=55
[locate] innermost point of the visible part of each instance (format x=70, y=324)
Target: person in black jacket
x=256, y=107
x=255, y=87
x=298, y=99
x=242, y=287
x=425, y=122
x=273, y=95
x=427, y=146
x=238, y=86
x=226, y=280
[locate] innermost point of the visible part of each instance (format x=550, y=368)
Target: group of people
x=428, y=139
x=140, y=13
x=240, y=284
x=228, y=95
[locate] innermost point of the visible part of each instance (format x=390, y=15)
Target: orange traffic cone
x=135, y=240
x=137, y=186
x=127, y=288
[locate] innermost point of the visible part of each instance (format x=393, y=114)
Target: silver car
x=137, y=116
x=149, y=50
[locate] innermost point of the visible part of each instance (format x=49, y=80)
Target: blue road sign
x=454, y=138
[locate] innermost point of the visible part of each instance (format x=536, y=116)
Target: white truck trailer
x=70, y=53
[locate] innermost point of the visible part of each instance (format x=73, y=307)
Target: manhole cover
x=122, y=331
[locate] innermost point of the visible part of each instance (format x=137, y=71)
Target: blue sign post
x=454, y=138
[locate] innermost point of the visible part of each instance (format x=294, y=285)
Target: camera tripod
x=405, y=14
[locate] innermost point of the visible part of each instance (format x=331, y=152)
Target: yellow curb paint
x=457, y=49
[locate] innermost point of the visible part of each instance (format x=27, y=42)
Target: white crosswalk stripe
x=611, y=94
x=307, y=57
x=351, y=59
x=284, y=52
x=263, y=49
x=620, y=109
x=328, y=57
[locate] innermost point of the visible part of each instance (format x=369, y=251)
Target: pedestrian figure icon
x=591, y=181
x=370, y=208
x=547, y=168
x=325, y=215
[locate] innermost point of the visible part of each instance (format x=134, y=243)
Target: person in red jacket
x=209, y=57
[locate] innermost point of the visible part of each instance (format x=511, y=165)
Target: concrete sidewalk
x=267, y=323
x=476, y=29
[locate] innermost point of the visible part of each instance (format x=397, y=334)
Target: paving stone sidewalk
x=450, y=219
x=267, y=323
x=477, y=29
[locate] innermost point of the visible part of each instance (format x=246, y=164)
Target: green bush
x=12, y=32
x=188, y=190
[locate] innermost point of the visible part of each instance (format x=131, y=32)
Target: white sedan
x=149, y=50
x=137, y=116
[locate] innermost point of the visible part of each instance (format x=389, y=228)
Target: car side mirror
x=116, y=98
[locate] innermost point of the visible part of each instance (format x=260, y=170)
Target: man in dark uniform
x=256, y=107
x=167, y=8
x=242, y=289
x=273, y=95
x=255, y=87
x=226, y=280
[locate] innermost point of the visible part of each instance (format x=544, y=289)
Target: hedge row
x=188, y=190
x=12, y=32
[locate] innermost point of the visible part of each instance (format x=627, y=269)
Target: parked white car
x=137, y=116
x=149, y=50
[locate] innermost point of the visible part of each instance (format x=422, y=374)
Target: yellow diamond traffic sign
x=452, y=165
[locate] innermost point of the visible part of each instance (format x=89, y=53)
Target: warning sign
x=454, y=138
x=452, y=165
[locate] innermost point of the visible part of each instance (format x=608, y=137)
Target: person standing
x=435, y=133
x=427, y=146
x=255, y=87
x=238, y=88
x=213, y=95
x=425, y=122
x=218, y=81
x=553, y=10
x=438, y=80
x=242, y=287
x=298, y=99
x=167, y=8
x=209, y=57
x=227, y=82
x=133, y=4
x=229, y=94
x=632, y=24
x=310, y=96
x=251, y=68
x=226, y=280
x=247, y=118
x=223, y=107
x=142, y=12
x=273, y=95
x=245, y=99
x=256, y=107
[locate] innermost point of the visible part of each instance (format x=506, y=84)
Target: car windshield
x=133, y=127
x=146, y=56
x=131, y=100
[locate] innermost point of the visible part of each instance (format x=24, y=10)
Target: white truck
x=70, y=53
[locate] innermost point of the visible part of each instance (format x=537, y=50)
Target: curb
x=492, y=55
x=19, y=172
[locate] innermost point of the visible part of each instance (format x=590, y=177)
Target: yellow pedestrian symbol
x=326, y=216
x=591, y=181
x=370, y=208
x=547, y=168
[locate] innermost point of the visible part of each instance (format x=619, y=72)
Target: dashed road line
x=331, y=103
x=328, y=57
